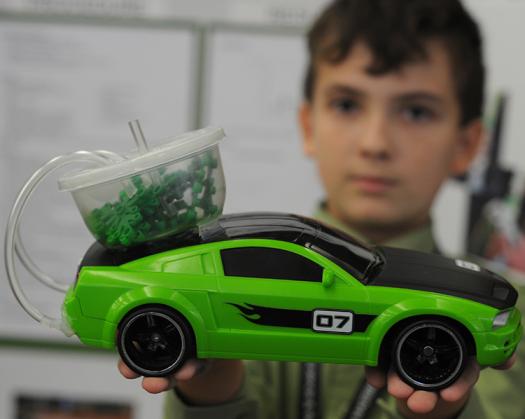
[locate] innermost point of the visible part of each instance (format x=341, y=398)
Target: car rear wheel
x=154, y=341
x=429, y=354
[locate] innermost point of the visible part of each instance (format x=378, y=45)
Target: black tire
x=429, y=354
x=154, y=341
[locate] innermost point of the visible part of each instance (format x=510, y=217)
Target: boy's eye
x=418, y=113
x=344, y=105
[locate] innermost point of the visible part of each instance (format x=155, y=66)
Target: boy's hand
x=159, y=384
x=201, y=382
x=444, y=404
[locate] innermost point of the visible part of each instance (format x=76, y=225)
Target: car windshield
x=353, y=256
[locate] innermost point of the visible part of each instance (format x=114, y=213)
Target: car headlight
x=501, y=319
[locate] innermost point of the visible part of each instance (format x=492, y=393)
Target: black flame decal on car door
x=283, y=317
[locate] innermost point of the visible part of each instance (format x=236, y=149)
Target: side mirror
x=328, y=278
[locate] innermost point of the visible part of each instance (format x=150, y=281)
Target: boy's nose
x=375, y=140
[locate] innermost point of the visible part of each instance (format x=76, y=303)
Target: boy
x=393, y=100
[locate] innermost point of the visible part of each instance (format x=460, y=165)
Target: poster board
x=68, y=85
x=253, y=90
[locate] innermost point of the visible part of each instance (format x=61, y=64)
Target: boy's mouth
x=372, y=184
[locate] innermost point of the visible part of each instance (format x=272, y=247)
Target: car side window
x=267, y=262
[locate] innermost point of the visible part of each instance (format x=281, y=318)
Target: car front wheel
x=429, y=354
x=154, y=341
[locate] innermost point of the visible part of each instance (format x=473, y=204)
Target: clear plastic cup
x=148, y=196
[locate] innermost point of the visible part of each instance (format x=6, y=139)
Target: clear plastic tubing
x=13, y=244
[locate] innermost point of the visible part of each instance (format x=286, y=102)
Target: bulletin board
x=253, y=90
x=73, y=84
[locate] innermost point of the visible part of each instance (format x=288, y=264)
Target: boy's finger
x=156, y=385
x=159, y=384
x=190, y=369
x=126, y=371
x=463, y=384
x=397, y=387
x=422, y=401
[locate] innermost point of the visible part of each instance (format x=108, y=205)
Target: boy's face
x=384, y=144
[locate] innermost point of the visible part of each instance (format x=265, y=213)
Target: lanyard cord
x=310, y=399
x=310, y=394
x=363, y=401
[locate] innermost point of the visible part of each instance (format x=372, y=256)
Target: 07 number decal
x=333, y=321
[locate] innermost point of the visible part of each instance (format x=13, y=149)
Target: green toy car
x=283, y=287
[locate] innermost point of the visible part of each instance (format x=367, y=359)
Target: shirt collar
x=421, y=239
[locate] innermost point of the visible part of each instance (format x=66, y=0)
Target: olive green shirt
x=271, y=389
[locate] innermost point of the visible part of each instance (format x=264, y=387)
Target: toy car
x=284, y=287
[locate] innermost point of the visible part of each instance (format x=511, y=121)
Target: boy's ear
x=305, y=124
x=467, y=147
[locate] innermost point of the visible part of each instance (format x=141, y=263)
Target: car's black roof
x=268, y=225
x=272, y=225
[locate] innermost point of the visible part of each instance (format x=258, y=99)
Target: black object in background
x=496, y=180
x=39, y=407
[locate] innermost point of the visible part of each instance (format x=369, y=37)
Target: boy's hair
x=396, y=31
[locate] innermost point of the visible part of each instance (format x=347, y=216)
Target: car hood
x=429, y=272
